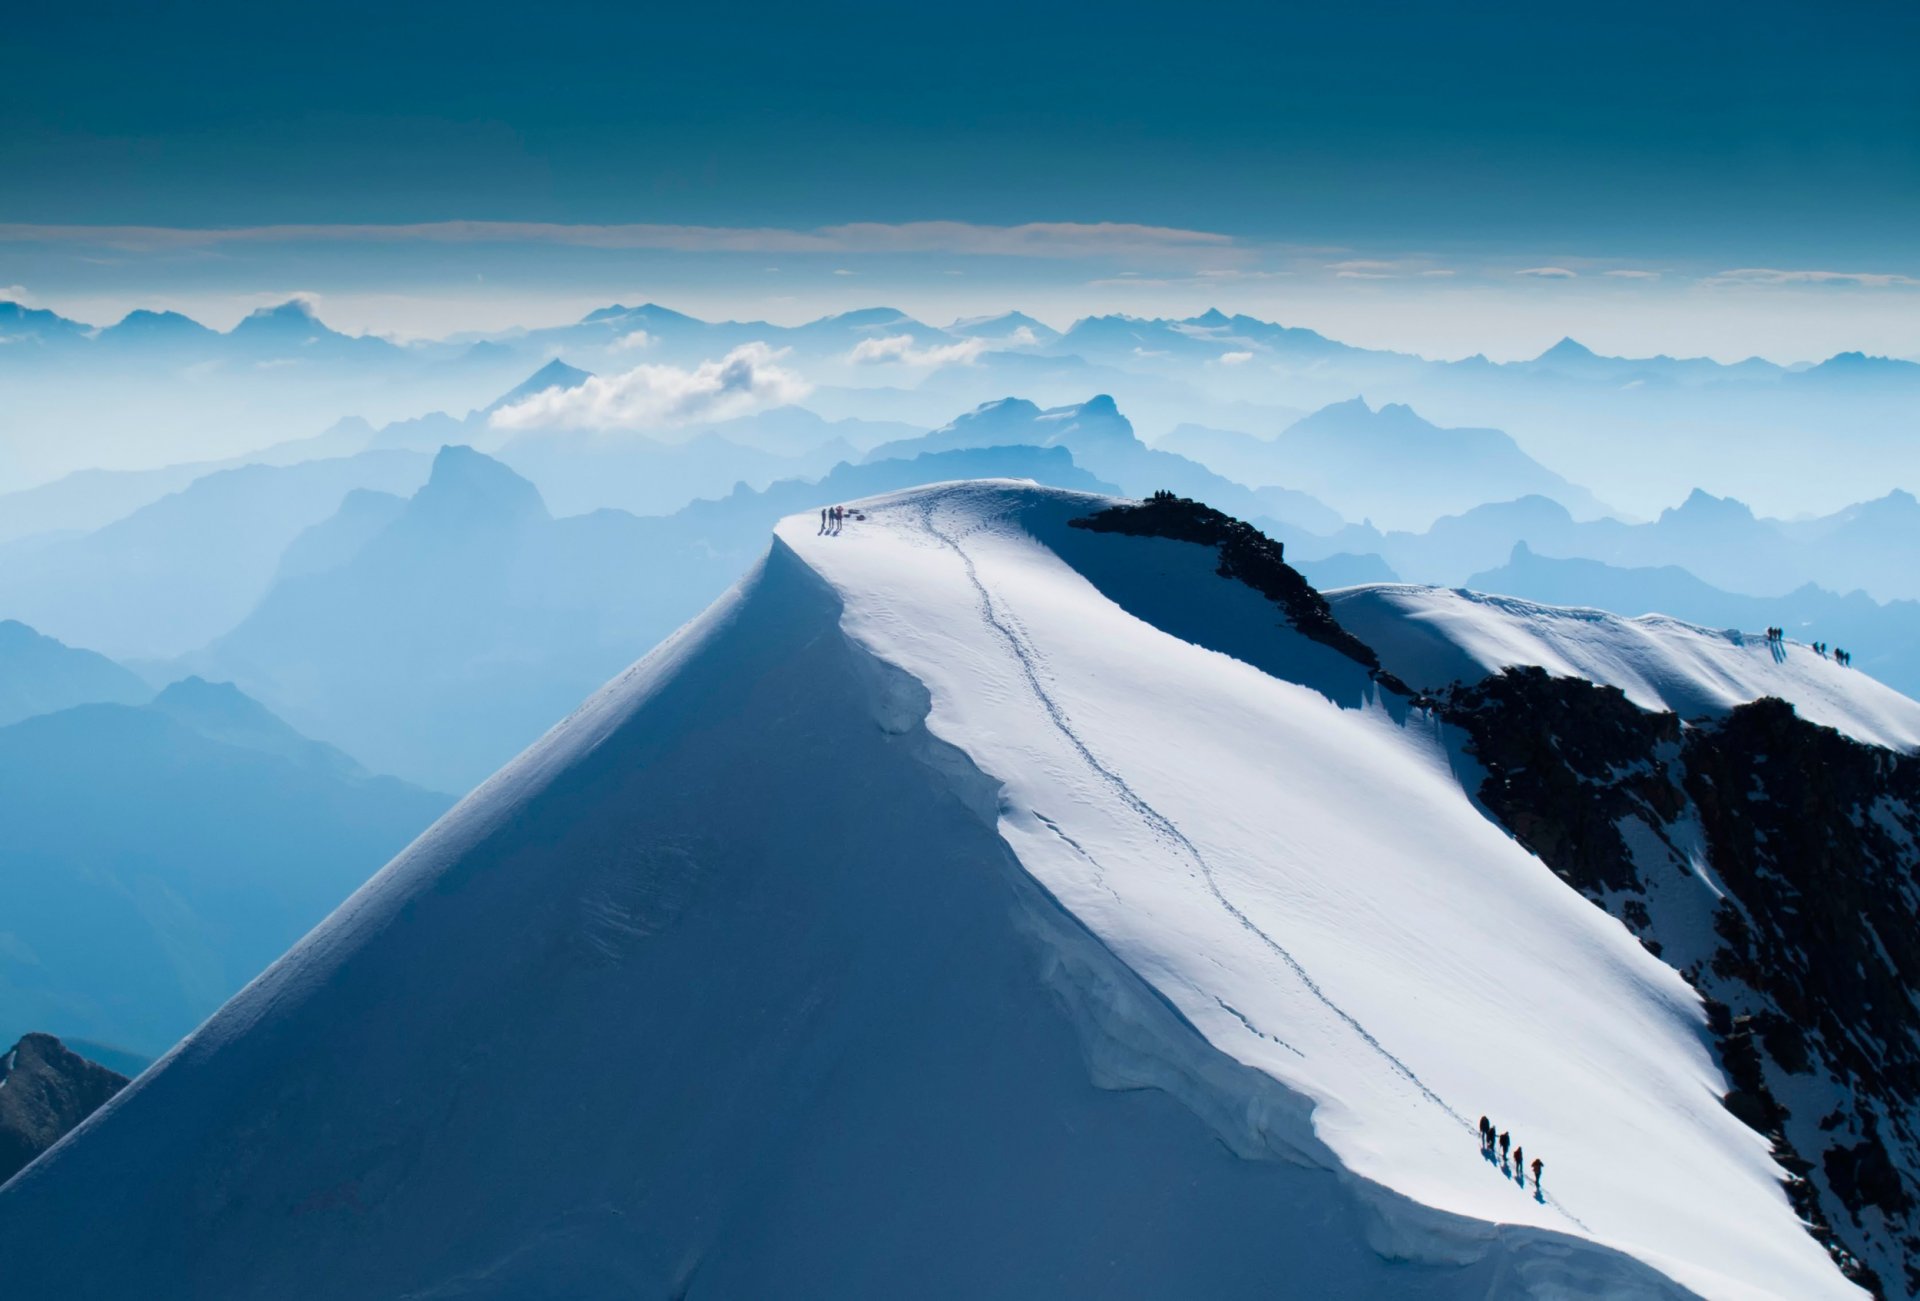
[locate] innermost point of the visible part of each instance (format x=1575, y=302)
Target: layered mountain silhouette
x=1386, y=465
x=39, y=675
x=158, y=856
x=444, y=634
x=184, y=569
x=1102, y=440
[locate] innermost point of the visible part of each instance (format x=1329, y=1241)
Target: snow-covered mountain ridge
x=1433, y=636
x=969, y=904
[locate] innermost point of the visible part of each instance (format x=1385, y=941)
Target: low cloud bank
x=746, y=380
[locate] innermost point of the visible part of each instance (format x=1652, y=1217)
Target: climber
x=1537, y=1164
x=1486, y=1132
x=1505, y=1139
x=1520, y=1163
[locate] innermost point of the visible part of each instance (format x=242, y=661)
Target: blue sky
x=1467, y=144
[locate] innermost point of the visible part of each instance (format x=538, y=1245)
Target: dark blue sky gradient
x=1713, y=129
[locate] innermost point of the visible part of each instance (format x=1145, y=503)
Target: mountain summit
x=1011, y=889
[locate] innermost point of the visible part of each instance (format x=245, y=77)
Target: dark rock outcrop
x=1248, y=556
x=45, y=1090
x=1800, y=849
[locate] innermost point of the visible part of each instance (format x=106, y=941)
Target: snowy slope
x=1432, y=636
x=1312, y=889
x=920, y=921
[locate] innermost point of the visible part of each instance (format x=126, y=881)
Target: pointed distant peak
x=1353, y=406
x=141, y=318
x=555, y=374
x=211, y=706
x=1568, y=349
x=868, y=318
x=1004, y=324
x=467, y=483
x=197, y=690
x=1703, y=505
x=1212, y=318
x=652, y=312
x=1005, y=406
x=1100, y=404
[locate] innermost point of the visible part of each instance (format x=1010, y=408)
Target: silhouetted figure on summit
x=1486, y=1132
x=1537, y=1164
x=1505, y=1139
x=1520, y=1163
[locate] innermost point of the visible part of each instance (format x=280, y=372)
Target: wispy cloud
x=1365, y=269
x=1773, y=276
x=1626, y=273
x=900, y=348
x=745, y=380
x=1030, y=239
x=1548, y=273
x=1235, y=358
x=1386, y=269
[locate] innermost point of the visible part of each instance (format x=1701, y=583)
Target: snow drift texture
x=939, y=916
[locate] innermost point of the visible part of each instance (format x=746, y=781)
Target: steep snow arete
x=969, y=904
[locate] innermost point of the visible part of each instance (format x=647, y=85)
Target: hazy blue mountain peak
x=466, y=485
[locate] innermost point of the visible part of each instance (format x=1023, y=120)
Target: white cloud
x=16, y=294
x=1385, y=268
x=1549, y=273
x=745, y=380
x=1235, y=358
x=902, y=349
x=1024, y=337
x=1771, y=276
x=1632, y=275
x=1364, y=269
x=633, y=342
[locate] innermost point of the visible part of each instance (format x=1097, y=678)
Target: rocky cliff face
x=1774, y=863
x=45, y=1090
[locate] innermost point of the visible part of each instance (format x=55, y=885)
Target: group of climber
x=832, y=517
x=1493, y=1138
x=1777, y=636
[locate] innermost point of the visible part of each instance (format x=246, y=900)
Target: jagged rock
x=1803, y=846
x=45, y=1090
x=1248, y=556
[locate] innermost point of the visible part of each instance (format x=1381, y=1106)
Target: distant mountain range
x=159, y=855
x=185, y=568
x=1388, y=465
x=1718, y=539
x=438, y=636
x=1667, y=423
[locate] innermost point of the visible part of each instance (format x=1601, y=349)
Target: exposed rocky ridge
x=1248, y=556
x=1774, y=863
x=45, y=1090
